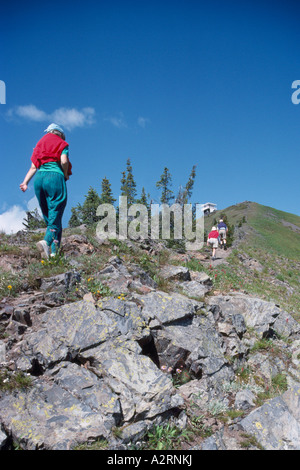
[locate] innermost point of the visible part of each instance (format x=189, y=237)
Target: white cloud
x=117, y=121
x=142, y=122
x=66, y=117
x=11, y=221
x=120, y=122
x=31, y=112
x=70, y=118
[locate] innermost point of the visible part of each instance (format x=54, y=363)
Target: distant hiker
x=223, y=229
x=50, y=162
x=212, y=240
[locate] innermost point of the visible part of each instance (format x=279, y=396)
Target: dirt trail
x=221, y=256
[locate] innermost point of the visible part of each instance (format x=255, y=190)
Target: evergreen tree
x=123, y=184
x=75, y=219
x=33, y=220
x=106, y=194
x=143, y=199
x=185, y=193
x=131, y=184
x=128, y=184
x=189, y=185
x=164, y=184
x=89, y=207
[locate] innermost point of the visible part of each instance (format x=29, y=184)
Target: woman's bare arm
x=64, y=160
x=29, y=175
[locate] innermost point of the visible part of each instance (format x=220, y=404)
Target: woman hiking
x=50, y=163
x=213, y=241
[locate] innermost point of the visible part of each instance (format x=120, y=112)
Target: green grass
x=166, y=437
x=10, y=284
x=277, y=386
x=273, y=235
x=272, y=238
x=7, y=249
x=99, y=444
x=270, y=228
x=13, y=381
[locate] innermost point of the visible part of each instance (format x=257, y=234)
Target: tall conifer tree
x=164, y=184
x=89, y=207
x=106, y=194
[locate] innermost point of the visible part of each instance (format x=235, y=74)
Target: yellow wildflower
x=9, y=287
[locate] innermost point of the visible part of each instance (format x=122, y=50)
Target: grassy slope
x=268, y=237
x=272, y=238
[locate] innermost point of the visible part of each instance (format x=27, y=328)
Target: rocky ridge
x=112, y=367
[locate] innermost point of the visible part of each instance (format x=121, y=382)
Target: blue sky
x=164, y=83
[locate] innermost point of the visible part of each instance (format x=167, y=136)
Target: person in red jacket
x=51, y=165
x=213, y=241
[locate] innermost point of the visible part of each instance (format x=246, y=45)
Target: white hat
x=53, y=127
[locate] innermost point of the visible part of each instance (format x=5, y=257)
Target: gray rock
x=239, y=324
x=144, y=390
x=131, y=433
x=75, y=245
x=263, y=316
x=264, y=366
x=120, y=278
x=61, y=283
x=276, y=424
x=244, y=400
x=194, y=289
x=49, y=417
x=175, y=273
x=210, y=443
x=2, y=352
x=121, y=384
x=3, y=440
x=71, y=328
x=97, y=365
x=22, y=316
x=195, y=344
x=166, y=308
x=201, y=277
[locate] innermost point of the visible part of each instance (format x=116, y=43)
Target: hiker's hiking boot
x=43, y=248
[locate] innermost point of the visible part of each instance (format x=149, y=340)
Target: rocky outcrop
x=112, y=368
x=120, y=278
x=265, y=317
x=276, y=424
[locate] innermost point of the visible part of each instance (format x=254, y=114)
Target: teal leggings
x=51, y=191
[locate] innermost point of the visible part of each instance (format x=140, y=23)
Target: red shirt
x=48, y=149
x=214, y=234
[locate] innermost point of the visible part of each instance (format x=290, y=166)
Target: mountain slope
x=265, y=253
x=110, y=339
